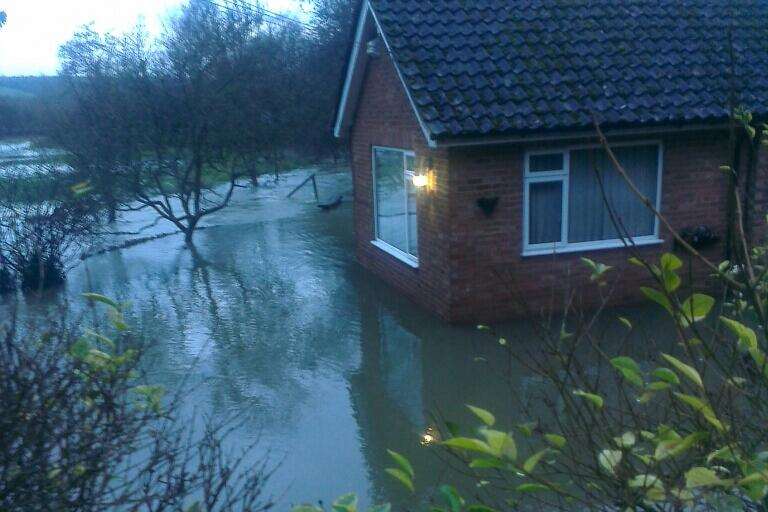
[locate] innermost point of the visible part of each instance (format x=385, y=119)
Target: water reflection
x=271, y=318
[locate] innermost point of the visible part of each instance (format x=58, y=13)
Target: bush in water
x=41, y=272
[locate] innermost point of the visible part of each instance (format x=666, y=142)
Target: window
x=566, y=194
x=396, y=217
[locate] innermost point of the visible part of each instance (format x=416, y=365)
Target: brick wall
x=384, y=117
x=491, y=280
x=471, y=268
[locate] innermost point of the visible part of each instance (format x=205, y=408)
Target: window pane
x=413, y=223
x=549, y=162
x=390, y=198
x=589, y=216
x=396, y=200
x=545, y=212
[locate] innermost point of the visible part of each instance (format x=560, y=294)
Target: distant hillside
x=7, y=92
x=27, y=86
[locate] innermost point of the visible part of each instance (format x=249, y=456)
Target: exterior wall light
x=420, y=180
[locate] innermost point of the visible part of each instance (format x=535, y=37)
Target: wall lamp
x=423, y=176
x=420, y=180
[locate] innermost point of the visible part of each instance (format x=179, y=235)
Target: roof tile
x=495, y=66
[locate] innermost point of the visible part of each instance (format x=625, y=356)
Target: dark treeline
x=173, y=123
x=287, y=74
x=25, y=102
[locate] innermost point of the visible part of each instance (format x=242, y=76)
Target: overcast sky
x=30, y=40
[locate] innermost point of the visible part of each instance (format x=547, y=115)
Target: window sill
x=397, y=253
x=589, y=246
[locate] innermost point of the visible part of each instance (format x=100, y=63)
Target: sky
x=30, y=40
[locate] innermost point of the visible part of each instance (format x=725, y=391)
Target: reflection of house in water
x=414, y=367
x=401, y=373
x=411, y=367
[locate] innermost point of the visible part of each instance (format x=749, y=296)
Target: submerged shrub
x=7, y=280
x=41, y=272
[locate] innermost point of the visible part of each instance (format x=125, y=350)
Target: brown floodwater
x=275, y=322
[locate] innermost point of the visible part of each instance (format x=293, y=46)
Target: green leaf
x=659, y=386
x=384, y=507
x=747, y=337
x=530, y=487
x=702, y=477
x=487, y=463
x=626, y=322
x=345, y=503
x=480, y=508
x=629, y=369
x=598, y=269
x=669, y=264
x=609, y=460
x=760, y=360
x=641, y=481
x=402, y=477
x=702, y=408
x=726, y=453
x=666, y=375
x=596, y=400
x=657, y=297
x=651, y=484
x=530, y=464
x=95, y=297
x=501, y=443
x=401, y=461
x=470, y=444
x=626, y=440
x=677, y=446
x=686, y=370
x=625, y=362
x=527, y=428
x=555, y=440
x=485, y=416
x=696, y=308
x=452, y=497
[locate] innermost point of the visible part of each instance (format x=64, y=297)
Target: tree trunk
x=189, y=232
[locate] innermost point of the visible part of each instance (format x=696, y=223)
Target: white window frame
x=562, y=176
x=408, y=174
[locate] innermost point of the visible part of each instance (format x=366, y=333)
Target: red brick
x=470, y=266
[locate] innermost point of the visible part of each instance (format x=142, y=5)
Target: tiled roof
x=492, y=67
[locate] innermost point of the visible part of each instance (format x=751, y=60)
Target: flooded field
x=274, y=320
x=25, y=157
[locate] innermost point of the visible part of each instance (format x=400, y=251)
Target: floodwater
x=274, y=321
x=26, y=157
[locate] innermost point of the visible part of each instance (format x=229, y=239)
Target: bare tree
x=171, y=125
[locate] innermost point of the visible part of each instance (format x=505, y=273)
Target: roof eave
x=533, y=136
x=354, y=78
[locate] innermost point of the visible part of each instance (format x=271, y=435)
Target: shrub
x=82, y=430
x=41, y=272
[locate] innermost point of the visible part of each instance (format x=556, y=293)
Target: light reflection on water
x=274, y=320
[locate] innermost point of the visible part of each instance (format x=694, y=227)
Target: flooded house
x=479, y=181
